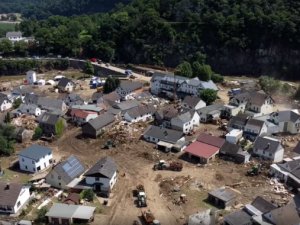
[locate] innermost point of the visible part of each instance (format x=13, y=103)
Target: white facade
x=200, y=104
x=22, y=200
x=257, y=130
x=28, y=110
x=106, y=182
x=31, y=77
x=69, y=87
x=234, y=136
x=31, y=165
x=6, y=104
x=143, y=118
x=275, y=157
x=80, y=121
x=188, y=126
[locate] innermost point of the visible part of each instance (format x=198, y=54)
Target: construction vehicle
x=163, y=165
x=149, y=217
x=255, y=170
x=109, y=144
x=142, y=199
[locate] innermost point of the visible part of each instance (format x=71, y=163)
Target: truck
x=149, y=217
x=163, y=165
x=254, y=171
x=142, y=199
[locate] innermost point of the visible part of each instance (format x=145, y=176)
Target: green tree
x=111, y=84
x=89, y=68
x=205, y=72
x=217, y=78
x=87, y=194
x=208, y=95
x=269, y=84
x=17, y=103
x=297, y=94
x=7, y=139
x=184, y=69
x=7, y=118
x=59, y=127
x=41, y=215
x=38, y=132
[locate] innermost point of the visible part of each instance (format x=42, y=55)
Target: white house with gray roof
x=139, y=113
x=186, y=121
x=127, y=89
x=268, y=148
x=65, y=172
x=5, y=103
x=66, y=85
x=103, y=175
x=193, y=102
x=35, y=158
x=288, y=121
x=97, y=126
x=28, y=109
x=57, y=106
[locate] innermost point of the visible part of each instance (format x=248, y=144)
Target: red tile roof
x=202, y=150
x=211, y=140
x=81, y=113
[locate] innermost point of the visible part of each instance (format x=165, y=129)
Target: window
x=270, y=154
x=18, y=204
x=59, y=177
x=97, y=178
x=59, y=184
x=32, y=162
x=23, y=160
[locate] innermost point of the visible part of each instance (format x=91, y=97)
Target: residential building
x=127, y=89
x=13, y=197
x=193, y=102
x=255, y=128
x=238, y=122
x=80, y=117
x=72, y=199
x=186, y=121
x=90, y=108
x=103, y=175
x=5, y=103
x=57, y=106
x=165, y=139
x=31, y=77
x=96, y=127
x=65, y=172
x=61, y=214
x=222, y=197
x=66, y=85
x=139, y=113
x=210, y=113
x=35, y=158
x=126, y=105
x=14, y=36
x=287, y=121
x=234, y=136
x=22, y=90
x=73, y=99
x=234, y=153
x=49, y=122
x=164, y=116
x=110, y=99
x=27, y=109
x=31, y=98
x=268, y=148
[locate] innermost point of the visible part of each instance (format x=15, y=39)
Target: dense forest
x=236, y=36
x=41, y=9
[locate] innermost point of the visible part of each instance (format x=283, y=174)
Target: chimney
x=7, y=186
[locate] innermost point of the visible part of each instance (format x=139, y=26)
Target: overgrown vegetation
x=59, y=127
x=17, y=103
x=208, y=95
x=88, y=195
x=41, y=215
x=38, y=132
x=7, y=139
x=89, y=68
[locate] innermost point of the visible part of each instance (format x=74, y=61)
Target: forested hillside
x=237, y=36
x=41, y=9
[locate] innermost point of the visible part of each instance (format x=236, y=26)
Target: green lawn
x=5, y=27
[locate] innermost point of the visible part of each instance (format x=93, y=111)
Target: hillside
x=238, y=37
x=42, y=9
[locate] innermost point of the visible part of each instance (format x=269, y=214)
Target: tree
x=7, y=118
x=7, y=139
x=205, y=72
x=87, y=194
x=89, y=68
x=217, y=78
x=59, y=127
x=17, y=103
x=111, y=84
x=41, y=215
x=269, y=84
x=208, y=95
x=38, y=132
x=184, y=69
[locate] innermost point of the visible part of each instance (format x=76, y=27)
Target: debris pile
x=278, y=187
x=169, y=185
x=27, y=122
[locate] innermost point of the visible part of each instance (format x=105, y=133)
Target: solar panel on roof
x=73, y=167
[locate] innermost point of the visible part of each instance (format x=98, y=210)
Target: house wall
x=144, y=118
x=30, y=165
x=277, y=172
x=155, y=87
x=267, y=108
x=5, y=105
x=55, y=180
x=188, y=89
x=31, y=77
x=81, y=121
x=55, y=220
x=107, y=183
x=275, y=157
x=22, y=199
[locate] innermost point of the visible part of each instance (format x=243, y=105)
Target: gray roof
x=35, y=152
x=238, y=120
x=288, y=115
x=73, y=99
x=263, y=205
x=184, y=117
x=59, y=210
x=69, y=169
x=238, y=218
x=63, y=82
x=48, y=118
x=140, y=111
x=210, y=108
x=31, y=98
x=126, y=105
x=225, y=194
x=3, y=97
x=8, y=197
x=285, y=215
x=13, y=34
x=22, y=90
x=192, y=101
x=209, y=85
x=96, y=95
x=24, y=107
x=229, y=148
x=267, y=144
x=101, y=121
x=163, y=134
x=93, y=108
x=130, y=86
x=105, y=167
x=49, y=103
x=255, y=122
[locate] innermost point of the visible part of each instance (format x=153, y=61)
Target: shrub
x=217, y=78
x=88, y=195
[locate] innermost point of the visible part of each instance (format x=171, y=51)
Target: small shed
x=30, y=77
x=234, y=136
x=222, y=197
